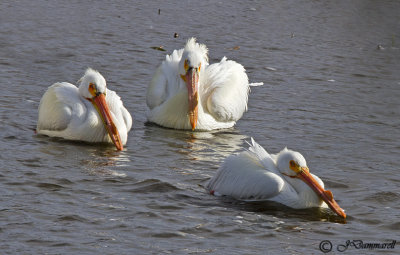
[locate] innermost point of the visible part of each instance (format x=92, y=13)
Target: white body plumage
x=222, y=91
x=67, y=112
x=256, y=175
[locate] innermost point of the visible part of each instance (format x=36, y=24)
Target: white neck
x=303, y=197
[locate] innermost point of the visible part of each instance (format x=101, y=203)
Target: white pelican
x=188, y=93
x=255, y=175
x=90, y=113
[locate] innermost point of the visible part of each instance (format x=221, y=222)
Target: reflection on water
x=105, y=162
x=203, y=146
x=280, y=211
x=95, y=158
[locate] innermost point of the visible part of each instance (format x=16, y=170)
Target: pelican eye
x=186, y=65
x=92, y=89
x=295, y=167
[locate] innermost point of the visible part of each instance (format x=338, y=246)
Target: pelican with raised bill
x=90, y=113
x=256, y=175
x=188, y=93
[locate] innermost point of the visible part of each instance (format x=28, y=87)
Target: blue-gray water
x=330, y=92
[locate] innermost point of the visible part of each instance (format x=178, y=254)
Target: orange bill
x=192, y=83
x=100, y=104
x=325, y=195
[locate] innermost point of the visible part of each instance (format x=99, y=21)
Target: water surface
x=331, y=74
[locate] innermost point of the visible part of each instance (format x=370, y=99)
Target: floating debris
x=331, y=80
x=297, y=228
x=380, y=47
x=292, y=35
x=160, y=48
x=256, y=84
x=234, y=48
x=159, y=11
x=270, y=68
x=176, y=35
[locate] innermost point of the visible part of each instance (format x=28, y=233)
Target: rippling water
x=332, y=76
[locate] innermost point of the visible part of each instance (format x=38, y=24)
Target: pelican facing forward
x=188, y=93
x=90, y=113
x=255, y=175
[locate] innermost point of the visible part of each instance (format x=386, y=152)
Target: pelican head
x=194, y=57
x=293, y=164
x=93, y=88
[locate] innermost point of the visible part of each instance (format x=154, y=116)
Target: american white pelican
x=90, y=113
x=188, y=93
x=255, y=175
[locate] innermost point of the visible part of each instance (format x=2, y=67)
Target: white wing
x=156, y=91
x=263, y=156
x=57, y=106
x=127, y=118
x=225, y=90
x=118, y=110
x=121, y=117
x=164, y=82
x=244, y=177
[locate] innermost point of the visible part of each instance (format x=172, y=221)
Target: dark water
x=330, y=92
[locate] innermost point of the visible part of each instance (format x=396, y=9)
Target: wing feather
x=117, y=108
x=263, y=156
x=156, y=91
x=243, y=177
x=225, y=90
x=164, y=83
x=56, y=106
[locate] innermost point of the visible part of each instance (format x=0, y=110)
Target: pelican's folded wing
x=127, y=118
x=118, y=110
x=244, y=177
x=156, y=91
x=263, y=156
x=225, y=90
x=164, y=81
x=55, y=108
